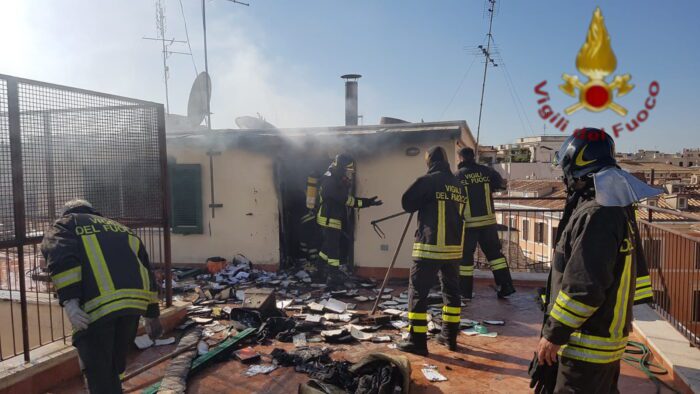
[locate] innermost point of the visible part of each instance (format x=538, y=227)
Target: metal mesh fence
x=59, y=143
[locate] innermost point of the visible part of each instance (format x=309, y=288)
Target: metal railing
x=58, y=143
x=672, y=251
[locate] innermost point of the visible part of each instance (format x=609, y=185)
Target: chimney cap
x=351, y=76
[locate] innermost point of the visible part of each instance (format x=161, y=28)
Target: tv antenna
x=486, y=52
x=165, y=47
x=206, y=60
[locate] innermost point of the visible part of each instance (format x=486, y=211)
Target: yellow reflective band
x=574, y=306
x=437, y=256
x=450, y=318
x=418, y=329
x=480, y=218
x=498, y=264
x=543, y=297
x=142, y=295
x=487, y=197
x=642, y=294
x=454, y=310
x=311, y=180
x=441, y=224
x=325, y=222
x=117, y=306
x=67, y=277
x=468, y=209
x=591, y=356
x=643, y=281
x=350, y=201
x=332, y=262
x=417, y=316
x=135, y=245
x=480, y=223
x=566, y=318
x=626, y=246
x=437, y=248
x=596, y=342
x=621, y=300
x=307, y=218
x=98, y=264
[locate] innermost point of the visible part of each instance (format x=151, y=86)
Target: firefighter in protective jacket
x=102, y=275
x=440, y=201
x=334, y=202
x=479, y=181
x=595, y=277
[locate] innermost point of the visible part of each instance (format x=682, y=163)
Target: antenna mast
x=487, y=59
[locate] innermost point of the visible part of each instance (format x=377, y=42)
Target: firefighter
x=594, y=278
x=440, y=201
x=333, y=204
x=310, y=236
x=102, y=275
x=479, y=181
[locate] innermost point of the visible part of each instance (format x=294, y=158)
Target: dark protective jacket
x=439, y=200
x=592, y=283
x=334, y=200
x=102, y=263
x=479, y=181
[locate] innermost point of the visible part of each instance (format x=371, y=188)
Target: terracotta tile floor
x=482, y=365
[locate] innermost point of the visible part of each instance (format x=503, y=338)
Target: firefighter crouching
x=439, y=200
x=596, y=275
x=334, y=202
x=479, y=181
x=102, y=275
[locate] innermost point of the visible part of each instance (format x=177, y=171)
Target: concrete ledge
x=58, y=362
x=670, y=347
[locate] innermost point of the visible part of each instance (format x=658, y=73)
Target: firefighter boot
x=504, y=283
x=505, y=290
x=318, y=275
x=466, y=286
x=448, y=335
x=335, y=278
x=416, y=344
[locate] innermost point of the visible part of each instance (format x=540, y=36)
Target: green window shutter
x=186, y=197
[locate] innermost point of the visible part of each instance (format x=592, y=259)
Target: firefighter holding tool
x=596, y=274
x=439, y=200
x=335, y=200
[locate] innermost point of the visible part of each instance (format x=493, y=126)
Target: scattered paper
x=361, y=299
x=299, y=340
x=399, y=324
x=467, y=323
x=202, y=348
x=143, y=341
x=495, y=322
x=472, y=332
x=386, y=297
x=165, y=341
x=332, y=333
x=336, y=306
x=314, y=318
x=392, y=346
x=260, y=369
x=202, y=320
x=431, y=373
x=316, y=307
x=284, y=304
x=382, y=338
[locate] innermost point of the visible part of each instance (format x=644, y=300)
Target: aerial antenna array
x=488, y=59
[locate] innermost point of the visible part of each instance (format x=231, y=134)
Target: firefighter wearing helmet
x=598, y=271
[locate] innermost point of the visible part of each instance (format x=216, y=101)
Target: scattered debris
x=431, y=373
x=359, y=335
x=299, y=340
x=165, y=341
x=143, y=341
x=399, y=324
x=361, y=299
x=284, y=304
x=335, y=305
x=247, y=355
x=495, y=322
x=202, y=348
x=259, y=369
x=380, y=339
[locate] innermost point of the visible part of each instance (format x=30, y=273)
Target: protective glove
x=153, y=327
x=372, y=201
x=77, y=316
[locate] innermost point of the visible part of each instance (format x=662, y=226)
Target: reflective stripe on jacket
x=479, y=181
x=102, y=263
x=334, y=200
x=592, y=285
x=439, y=200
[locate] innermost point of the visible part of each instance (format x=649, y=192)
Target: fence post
x=651, y=182
x=165, y=192
x=15, y=130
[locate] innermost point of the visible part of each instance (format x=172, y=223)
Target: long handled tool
x=375, y=223
x=393, y=261
x=157, y=361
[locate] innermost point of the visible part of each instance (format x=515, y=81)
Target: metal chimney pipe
x=351, y=98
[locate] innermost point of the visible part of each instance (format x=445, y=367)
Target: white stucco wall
x=248, y=222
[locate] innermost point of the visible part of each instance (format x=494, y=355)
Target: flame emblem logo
x=596, y=60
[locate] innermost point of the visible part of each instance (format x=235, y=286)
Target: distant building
x=662, y=172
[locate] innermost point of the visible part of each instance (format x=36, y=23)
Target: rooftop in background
x=533, y=188
x=636, y=166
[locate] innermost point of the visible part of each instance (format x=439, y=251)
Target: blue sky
x=284, y=58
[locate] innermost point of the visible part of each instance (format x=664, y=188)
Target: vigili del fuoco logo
x=596, y=61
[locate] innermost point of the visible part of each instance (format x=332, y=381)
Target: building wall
x=388, y=175
x=248, y=223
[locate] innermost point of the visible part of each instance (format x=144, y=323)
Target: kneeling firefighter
x=333, y=204
x=596, y=275
x=439, y=200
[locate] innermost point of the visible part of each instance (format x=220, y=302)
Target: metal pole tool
x=393, y=261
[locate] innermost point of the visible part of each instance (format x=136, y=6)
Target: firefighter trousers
x=309, y=237
x=423, y=275
x=487, y=238
x=574, y=376
x=102, y=349
x=330, y=251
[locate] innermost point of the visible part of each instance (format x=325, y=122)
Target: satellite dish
x=388, y=120
x=200, y=96
x=251, y=122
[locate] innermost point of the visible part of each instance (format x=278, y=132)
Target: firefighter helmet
x=585, y=152
x=344, y=165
